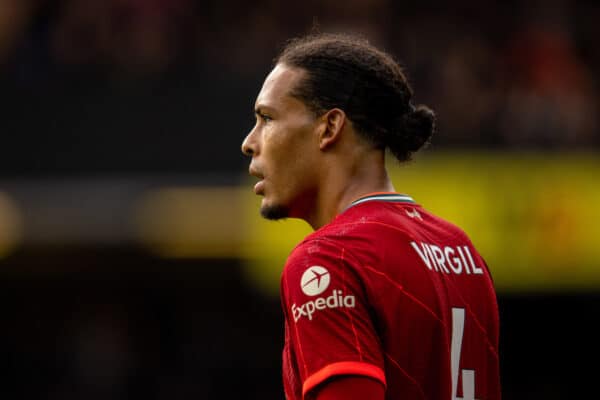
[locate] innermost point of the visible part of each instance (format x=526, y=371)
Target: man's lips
x=259, y=187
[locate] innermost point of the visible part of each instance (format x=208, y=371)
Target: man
x=384, y=300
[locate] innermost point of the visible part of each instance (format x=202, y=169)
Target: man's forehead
x=278, y=84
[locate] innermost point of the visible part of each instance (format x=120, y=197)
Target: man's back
x=389, y=291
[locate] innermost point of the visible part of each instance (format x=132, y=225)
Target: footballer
x=384, y=300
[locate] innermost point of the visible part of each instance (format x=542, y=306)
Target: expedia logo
x=315, y=281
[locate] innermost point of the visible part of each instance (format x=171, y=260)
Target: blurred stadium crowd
x=499, y=74
x=121, y=87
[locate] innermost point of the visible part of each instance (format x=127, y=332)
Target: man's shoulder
x=333, y=246
x=348, y=238
x=378, y=220
x=368, y=229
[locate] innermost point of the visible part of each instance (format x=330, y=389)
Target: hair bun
x=412, y=132
x=418, y=126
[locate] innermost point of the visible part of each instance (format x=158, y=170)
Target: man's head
x=282, y=145
x=323, y=87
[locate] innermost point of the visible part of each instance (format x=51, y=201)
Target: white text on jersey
x=337, y=299
x=447, y=259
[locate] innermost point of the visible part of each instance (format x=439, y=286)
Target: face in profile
x=283, y=146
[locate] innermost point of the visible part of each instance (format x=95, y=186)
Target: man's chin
x=274, y=212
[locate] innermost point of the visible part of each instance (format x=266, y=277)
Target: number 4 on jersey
x=468, y=375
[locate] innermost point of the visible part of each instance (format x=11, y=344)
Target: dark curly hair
x=347, y=72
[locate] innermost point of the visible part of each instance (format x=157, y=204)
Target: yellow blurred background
x=533, y=216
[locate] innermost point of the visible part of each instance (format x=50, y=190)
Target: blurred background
x=133, y=262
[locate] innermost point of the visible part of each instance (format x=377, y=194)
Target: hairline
x=305, y=75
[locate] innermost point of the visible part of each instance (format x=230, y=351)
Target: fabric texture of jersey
x=389, y=291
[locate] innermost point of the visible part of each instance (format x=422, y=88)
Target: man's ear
x=333, y=122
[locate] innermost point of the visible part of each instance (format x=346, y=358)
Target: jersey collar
x=383, y=196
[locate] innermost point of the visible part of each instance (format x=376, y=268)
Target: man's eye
x=266, y=118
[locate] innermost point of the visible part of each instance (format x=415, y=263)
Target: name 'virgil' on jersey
x=436, y=258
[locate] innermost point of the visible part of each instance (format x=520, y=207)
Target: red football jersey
x=392, y=292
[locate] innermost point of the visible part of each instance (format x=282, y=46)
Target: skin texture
x=280, y=145
x=309, y=167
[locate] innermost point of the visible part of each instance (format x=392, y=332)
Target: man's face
x=283, y=145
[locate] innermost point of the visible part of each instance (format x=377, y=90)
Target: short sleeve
x=331, y=330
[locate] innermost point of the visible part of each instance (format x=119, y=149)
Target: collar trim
x=390, y=197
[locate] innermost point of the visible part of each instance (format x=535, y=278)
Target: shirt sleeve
x=327, y=311
x=350, y=388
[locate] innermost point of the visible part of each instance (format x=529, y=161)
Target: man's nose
x=249, y=144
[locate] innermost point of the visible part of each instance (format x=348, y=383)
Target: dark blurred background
x=132, y=261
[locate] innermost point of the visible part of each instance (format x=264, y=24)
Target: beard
x=274, y=212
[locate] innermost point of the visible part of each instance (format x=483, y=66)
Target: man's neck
x=341, y=185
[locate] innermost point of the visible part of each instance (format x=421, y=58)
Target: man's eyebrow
x=259, y=110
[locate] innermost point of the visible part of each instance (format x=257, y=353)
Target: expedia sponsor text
x=335, y=300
